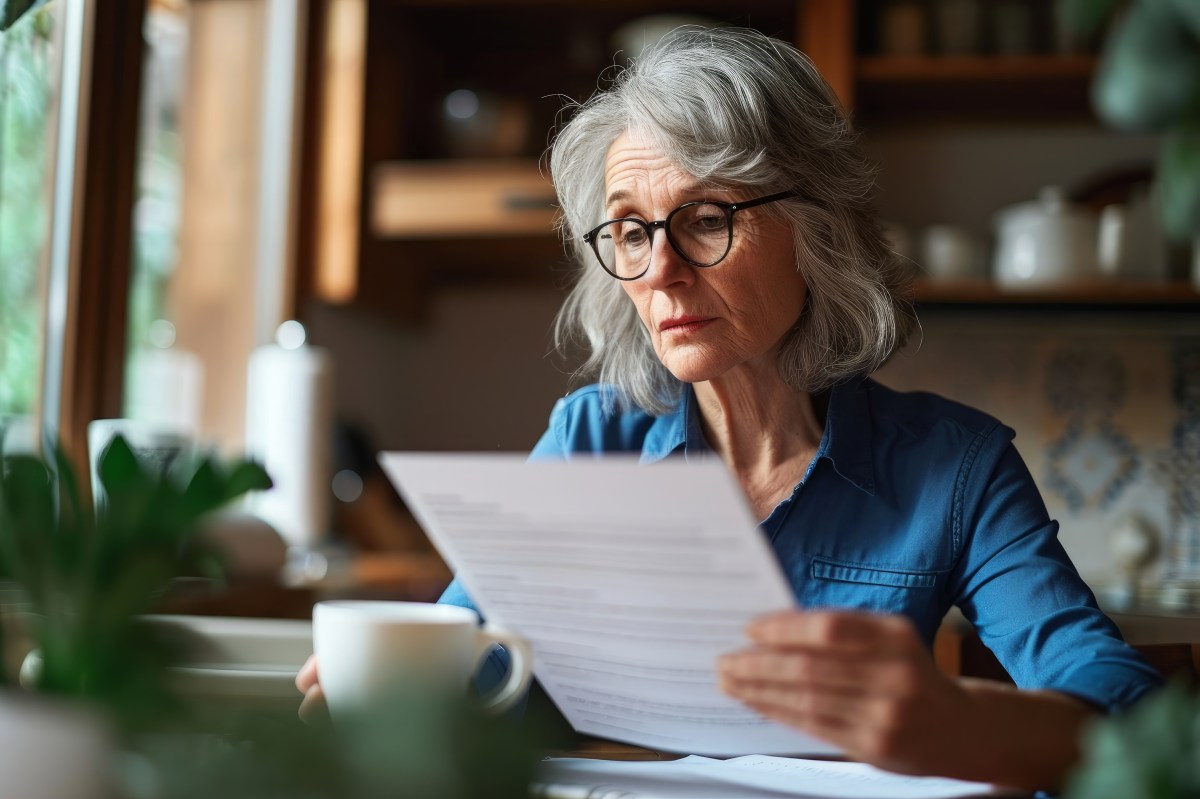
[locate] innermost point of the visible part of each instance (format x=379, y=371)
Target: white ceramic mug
x=365, y=648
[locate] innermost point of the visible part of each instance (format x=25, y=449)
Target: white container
x=949, y=252
x=1132, y=243
x=167, y=385
x=53, y=749
x=1045, y=242
x=289, y=429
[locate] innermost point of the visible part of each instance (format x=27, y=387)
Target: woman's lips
x=684, y=324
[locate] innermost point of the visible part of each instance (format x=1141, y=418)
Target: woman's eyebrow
x=616, y=196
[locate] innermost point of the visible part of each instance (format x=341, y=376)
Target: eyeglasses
x=700, y=232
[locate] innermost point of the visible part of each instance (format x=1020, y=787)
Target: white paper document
x=753, y=777
x=628, y=580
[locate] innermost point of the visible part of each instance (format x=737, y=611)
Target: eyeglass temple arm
x=770, y=198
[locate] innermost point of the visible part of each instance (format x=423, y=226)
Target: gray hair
x=733, y=107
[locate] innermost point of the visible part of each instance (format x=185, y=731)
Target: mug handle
x=520, y=666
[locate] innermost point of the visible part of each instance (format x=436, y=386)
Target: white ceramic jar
x=1045, y=242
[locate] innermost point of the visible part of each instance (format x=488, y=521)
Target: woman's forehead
x=635, y=164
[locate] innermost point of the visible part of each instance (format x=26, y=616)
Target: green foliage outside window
x=156, y=217
x=13, y=10
x=27, y=66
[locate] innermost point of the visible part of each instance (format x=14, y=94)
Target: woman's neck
x=764, y=430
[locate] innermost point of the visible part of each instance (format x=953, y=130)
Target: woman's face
x=704, y=321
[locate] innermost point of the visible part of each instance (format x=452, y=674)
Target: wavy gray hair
x=733, y=107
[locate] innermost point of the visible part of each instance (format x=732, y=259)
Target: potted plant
x=1151, y=752
x=87, y=574
x=1148, y=81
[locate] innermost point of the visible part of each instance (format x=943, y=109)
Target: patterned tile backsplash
x=1107, y=414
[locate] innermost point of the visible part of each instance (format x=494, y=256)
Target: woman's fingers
x=859, y=653
x=861, y=681
x=809, y=667
x=831, y=632
x=875, y=727
x=307, y=676
x=313, y=708
x=802, y=701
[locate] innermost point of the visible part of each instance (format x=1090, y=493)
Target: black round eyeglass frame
x=730, y=209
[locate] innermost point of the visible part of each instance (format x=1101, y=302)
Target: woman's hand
x=866, y=683
x=313, y=707
x=861, y=681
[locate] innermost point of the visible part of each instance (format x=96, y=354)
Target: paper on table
x=628, y=580
x=754, y=777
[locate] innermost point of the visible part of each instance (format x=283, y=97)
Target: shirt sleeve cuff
x=1112, y=687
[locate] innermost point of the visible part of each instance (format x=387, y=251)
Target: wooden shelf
x=461, y=199
x=953, y=69
x=1091, y=295
x=958, y=88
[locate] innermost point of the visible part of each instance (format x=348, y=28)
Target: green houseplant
x=1148, y=81
x=1152, y=752
x=88, y=574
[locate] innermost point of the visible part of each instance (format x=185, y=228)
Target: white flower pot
x=53, y=749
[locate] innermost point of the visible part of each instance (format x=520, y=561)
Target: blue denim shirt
x=913, y=504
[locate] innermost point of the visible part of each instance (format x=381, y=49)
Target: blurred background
x=180, y=177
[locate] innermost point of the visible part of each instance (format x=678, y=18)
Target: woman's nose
x=667, y=267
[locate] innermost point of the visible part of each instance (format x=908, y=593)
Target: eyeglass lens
x=700, y=233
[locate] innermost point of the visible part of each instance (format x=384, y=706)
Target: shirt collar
x=677, y=431
x=846, y=442
x=848, y=433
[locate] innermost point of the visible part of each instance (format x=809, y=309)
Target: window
x=205, y=285
x=30, y=69
x=147, y=167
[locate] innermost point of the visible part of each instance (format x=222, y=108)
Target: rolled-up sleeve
x=1014, y=582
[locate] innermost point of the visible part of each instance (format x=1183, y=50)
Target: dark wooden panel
x=96, y=332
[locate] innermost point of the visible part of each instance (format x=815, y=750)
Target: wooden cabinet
x=428, y=119
x=427, y=126
x=964, y=59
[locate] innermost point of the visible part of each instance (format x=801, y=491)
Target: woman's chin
x=692, y=369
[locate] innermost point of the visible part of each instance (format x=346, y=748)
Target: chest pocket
x=867, y=575
x=856, y=586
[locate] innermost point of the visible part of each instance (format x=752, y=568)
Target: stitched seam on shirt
x=558, y=431
x=869, y=575
x=883, y=567
x=960, y=488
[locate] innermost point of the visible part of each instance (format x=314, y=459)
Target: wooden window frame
x=91, y=240
x=92, y=245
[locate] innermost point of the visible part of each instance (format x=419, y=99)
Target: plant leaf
x=1189, y=15
x=118, y=467
x=1178, y=183
x=1087, y=17
x=205, y=492
x=1149, y=74
x=1147, y=752
x=28, y=521
x=245, y=477
x=13, y=10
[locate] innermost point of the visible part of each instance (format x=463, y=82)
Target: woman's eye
x=633, y=237
x=709, y=223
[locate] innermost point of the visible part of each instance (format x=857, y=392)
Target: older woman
x=735, y=291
